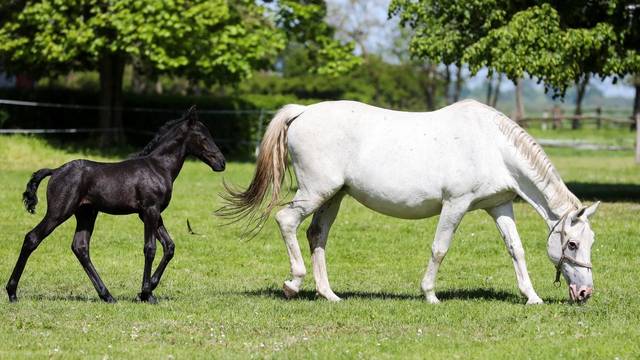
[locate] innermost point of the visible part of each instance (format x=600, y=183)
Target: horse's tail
x=29, y=196
x=269, y=174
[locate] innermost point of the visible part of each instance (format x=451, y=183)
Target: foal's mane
x=164, y=129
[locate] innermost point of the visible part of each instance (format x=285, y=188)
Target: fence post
x=638, y=138
x=598, y=117
x=556, y=114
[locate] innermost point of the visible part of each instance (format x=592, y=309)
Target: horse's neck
x=171, y=155
x=551, y=207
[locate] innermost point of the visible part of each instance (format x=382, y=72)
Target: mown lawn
x=221, y=296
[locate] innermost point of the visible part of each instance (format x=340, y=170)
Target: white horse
x=463, y=157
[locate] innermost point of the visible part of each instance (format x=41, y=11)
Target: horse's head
x=200, y=143
x=569, y=248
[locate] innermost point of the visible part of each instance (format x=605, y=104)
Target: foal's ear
x=192, y=115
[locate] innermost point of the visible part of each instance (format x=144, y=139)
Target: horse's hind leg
x=30, y=244
x=151, y=218
x=85, y=219
x=317, y=235
x=289, y=218
x=505, y=221
x=168, y=249
x=450, y=217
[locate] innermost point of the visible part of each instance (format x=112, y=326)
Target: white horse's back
x=401, y=164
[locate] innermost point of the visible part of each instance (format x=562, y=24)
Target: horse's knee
x=169, y=250
x=80, y=250
x=287, y=220
x=31, y=241
x=150, y=249
x=438, y=253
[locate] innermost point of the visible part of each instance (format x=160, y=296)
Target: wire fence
x=241, y=129
x=233, y=128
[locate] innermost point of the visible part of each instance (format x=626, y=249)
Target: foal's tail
x=270, y=169
x=29, y=196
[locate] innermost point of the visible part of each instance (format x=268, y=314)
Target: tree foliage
x=215, y=40
x=554, y=41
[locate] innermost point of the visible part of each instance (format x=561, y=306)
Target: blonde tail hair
x=271, y=167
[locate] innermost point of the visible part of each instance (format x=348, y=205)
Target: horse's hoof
x=535, y=301
x=13, y=298
x=148, y=298
x=432, y=299
x=289, y=290
x=109, y=299
x=330, y=295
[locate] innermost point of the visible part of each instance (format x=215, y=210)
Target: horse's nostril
x=583, y=294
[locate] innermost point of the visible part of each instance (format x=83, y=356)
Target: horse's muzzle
x=219, y=165
x=580, y=294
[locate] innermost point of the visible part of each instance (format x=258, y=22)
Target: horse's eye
x=573, y=245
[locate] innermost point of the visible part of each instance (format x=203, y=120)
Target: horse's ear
x=588, y=212
x=192, y=115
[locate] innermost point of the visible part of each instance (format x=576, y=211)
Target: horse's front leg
x=168, y=248
x=450, y=217
x=505, y=221
x=151, y=218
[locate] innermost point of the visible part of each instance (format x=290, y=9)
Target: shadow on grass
x=455, y=294
x=605, y=192
x=88, y=299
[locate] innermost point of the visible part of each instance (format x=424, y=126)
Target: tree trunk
x=581, y=86
x=458, y=86
x=496, y=91
x=636, y=102
x=489, y=89
x=111, y=68
x=519, y=113
x=447, y=83
x=428, y=85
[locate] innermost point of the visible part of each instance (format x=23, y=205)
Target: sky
x=367, y=19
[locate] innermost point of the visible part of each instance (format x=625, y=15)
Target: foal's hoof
x=147, y=298
x=109, y=299
x=289, y=290
x=13, y=298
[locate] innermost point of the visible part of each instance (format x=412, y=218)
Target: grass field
x=221, y=296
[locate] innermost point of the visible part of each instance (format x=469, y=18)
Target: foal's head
x=569, y=248
x=199, y=142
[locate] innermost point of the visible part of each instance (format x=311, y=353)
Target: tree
x=555, y=41
x=210, y=40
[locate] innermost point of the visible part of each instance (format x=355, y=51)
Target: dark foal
x=139, y=185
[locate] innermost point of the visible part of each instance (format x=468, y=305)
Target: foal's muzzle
x=580, y=294
x=219, y=165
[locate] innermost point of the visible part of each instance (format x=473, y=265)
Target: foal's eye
x=573, y=245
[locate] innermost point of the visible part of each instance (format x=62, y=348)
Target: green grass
x=221, y=296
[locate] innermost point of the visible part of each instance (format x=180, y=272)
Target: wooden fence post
x=598, y=117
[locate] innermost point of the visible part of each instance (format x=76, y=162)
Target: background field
x=221, y=296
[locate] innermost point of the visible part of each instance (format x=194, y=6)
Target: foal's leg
x=85, y=219
x=289, y=218
x=31, y=242
x=151, y=217
x=317, y=235
x=450, y=217
x=505, y=221
x=168, y=248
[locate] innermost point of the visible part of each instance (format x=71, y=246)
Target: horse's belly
x=398, y=205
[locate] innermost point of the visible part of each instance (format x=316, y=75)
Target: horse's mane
x=164, y=129
x=547, y=177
